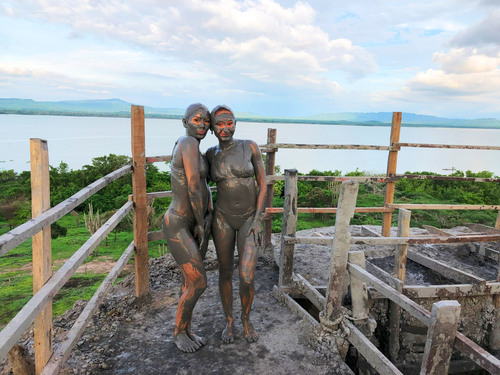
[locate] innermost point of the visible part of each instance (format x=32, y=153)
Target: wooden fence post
x=400, y=257
x=341, y=245
x=140, y=200
x=445, y=316
x=270, y=163
x=42, y=264
x=497, y=224
x=494, y=338
x=289, y=227
x=392, y=162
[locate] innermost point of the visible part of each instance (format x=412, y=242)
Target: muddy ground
x=134, y=336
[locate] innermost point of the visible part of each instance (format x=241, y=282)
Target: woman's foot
x=250, y=333
x=196, y=339
x=228, y=333
x=185, y=344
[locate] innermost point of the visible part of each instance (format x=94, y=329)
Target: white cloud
x=466, y=60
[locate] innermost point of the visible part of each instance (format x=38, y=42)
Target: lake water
x=76, y=140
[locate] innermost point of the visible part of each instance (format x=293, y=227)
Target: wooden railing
x=442, y=321
x=39, y=308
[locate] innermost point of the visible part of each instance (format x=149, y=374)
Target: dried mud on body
x=134, y=336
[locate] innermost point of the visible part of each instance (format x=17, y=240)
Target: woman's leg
x=183, y=247
x=249, y=253
x=224, y=236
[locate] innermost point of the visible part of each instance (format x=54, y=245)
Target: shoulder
x=251, y=145
x=186, y=140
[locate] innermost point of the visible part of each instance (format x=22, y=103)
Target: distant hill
x=121, y=108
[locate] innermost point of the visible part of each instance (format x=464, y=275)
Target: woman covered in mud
x=187, y=222
x=237, y=169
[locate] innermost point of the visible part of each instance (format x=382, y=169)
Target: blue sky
x=279, y=58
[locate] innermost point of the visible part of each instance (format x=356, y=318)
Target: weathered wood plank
x=41, y=249
x=437, y=231
x=309, y=291
x=16, y=327
x=156, y=159
x=368, y=232
x=417, y=240
x=379, y=273
x=452, y=291
x=373, y=356
x=359, y=293
x=289, y=227
x=294, y=306
x=473, y=351
x=68, y=343
x=24, y=231
x=155, y=236
x=445, y=316
x=392, y=162
x=437, y=145
x=412, y=307
x=341, y=244
x=326, y=210
x=444, y=269
x=445, y=178
x=270, y=164
x=411, y=206
x=327, y=147
x=382, y=179
x=141, y=258
x=482, y=228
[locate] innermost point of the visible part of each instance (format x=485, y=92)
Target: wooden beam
x=412, y=307
x=327, y=147
x=473, y=351
x=437, y=231
x=63, y=352
x=373, y=356
x=289, y=227
x=156, y=159
x=18, y=325
x=445, y=316
x=270, y=164
x=482, y=228
x=309, y=291
x=327, y=210
x=41, y=250
x=444, y=206
x=444, y=269
x=417, y=240
x=359, y=179
x=24, y=231
x=451, y=291
x=368, y=232
x=435, y=145
x=141, y=258
x=341, y=244
x=379, y=273
x=392, y=162
x=497, y=223
x=294, y=306
x=359, y=294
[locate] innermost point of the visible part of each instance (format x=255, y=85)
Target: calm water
x=76, y=140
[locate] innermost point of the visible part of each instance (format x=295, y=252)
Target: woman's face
x=224, y=125
x=197, y=124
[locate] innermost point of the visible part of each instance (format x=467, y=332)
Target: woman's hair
x=217, y=109
x=191, y=110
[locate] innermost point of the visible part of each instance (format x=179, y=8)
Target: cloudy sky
x=271, y=57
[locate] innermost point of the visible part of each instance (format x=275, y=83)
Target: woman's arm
x=189, y=148
x=260, y=176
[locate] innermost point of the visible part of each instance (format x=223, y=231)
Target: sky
x=269, y=57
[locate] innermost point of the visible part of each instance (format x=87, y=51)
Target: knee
x=246, y=279
x=200, y=284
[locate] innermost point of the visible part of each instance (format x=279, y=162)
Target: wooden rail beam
x=289, y=228
x=436, y=145
x=341, y=245
x=63, y=352
x=410, y=206
x=140, y=200
x=24, y=231
x=270, y=164
x=156, y=159
x=16, y=327
x=392, y=162
x=326, y=147
x=42, y=264
x=327, y=210
x=445, y=316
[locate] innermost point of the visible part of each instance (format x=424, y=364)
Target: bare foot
x=185, y=344
x=228, y=334
x=196, y=339
x=250, y=333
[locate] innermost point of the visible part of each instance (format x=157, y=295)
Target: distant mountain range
x=120, y=108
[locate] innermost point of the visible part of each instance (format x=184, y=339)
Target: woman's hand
x=256, y=229
x=199, y=233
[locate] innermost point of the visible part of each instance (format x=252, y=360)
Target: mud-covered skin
x=187, y=221
x=237, y=169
